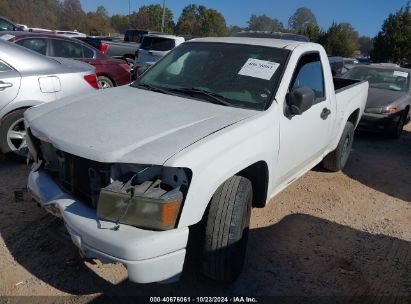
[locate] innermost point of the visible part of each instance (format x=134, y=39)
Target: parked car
x=23, y=27
x=110, y=72
x=152, y=48
x=71, y=34
x=28, y=79
x=218, y=126
x=364, y=60
x=389, y=97
x=349, y=63
x=274, y=35
x=337, y=65
x=127, y=47
x=7, y=25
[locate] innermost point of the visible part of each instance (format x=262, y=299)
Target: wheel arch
x=354, y=117
x=258, y=175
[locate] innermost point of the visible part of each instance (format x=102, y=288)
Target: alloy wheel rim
x=16, y=138
x=103, y=84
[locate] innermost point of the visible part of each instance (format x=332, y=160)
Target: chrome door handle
x=5, y=85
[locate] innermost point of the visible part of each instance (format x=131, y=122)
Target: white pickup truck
x=215, y=128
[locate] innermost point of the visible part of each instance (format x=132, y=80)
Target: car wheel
x=12, y=136
x=104, y=82
x=227, y=228
x=396, y=131
x=336, y=160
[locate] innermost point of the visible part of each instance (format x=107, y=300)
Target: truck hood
x=382, y=98
x=129, y=125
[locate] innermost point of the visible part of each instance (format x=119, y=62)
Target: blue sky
x=366, y=16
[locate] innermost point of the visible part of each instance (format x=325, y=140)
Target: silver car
x=28, y=79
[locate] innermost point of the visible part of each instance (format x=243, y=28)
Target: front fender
x=221, y=155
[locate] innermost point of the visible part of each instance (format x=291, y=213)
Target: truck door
x=9, y=84
x=304, y=138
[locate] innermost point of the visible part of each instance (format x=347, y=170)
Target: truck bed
x=341, y=84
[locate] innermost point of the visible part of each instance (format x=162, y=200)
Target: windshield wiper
x=154, y=88
x=217, y=98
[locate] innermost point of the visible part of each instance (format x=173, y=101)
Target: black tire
x=104, y=82
x=227, y=228
x=395, y=132
x=336, y=160
x=6, y=123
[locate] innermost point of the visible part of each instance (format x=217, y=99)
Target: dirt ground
x=328, y=234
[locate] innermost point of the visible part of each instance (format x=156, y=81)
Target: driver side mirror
x=300, y=100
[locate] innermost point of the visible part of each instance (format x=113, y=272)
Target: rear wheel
x=12, y=136
x=104, y=82
x=227, y=230
x=336, y=160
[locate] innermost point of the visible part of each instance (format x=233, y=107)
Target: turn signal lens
x=392, y=110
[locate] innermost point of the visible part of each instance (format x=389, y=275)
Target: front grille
x=82, y=178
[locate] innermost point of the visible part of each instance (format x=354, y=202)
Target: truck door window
x=309, y=74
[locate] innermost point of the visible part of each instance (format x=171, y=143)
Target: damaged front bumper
x=150, y=256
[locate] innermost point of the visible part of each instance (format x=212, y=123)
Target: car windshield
x=157, y=44
x=389, y=79
x=239, y=75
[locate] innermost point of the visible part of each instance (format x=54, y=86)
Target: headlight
x=381, y=110
x=374, y=110
x=144, y=196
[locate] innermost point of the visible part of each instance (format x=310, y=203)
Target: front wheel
x=336, y=160
x=12, y=136
x=227, y=230
x=396, y=131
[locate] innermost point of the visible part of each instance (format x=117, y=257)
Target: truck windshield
x=231, y=74
x=389, y=79
x=157, y=44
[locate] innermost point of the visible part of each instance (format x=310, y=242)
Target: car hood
x=129, y=125
x=382, y=98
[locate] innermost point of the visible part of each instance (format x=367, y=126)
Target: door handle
x=325, y=113
x=5, y=85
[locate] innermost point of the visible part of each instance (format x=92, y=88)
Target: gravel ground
x=328, y=234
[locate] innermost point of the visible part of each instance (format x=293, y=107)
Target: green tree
x=264, y=23
x=340, y=40
x=302, y=18
x=120, y=23
x=150, y=17
x=98, y=22
x=72, y=16
x=312, y=31
x=365, y=45
x=201, y=21
x=393, y=42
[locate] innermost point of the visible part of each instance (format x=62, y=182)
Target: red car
x=110, y=72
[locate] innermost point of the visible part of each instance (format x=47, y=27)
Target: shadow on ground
x=394, y=177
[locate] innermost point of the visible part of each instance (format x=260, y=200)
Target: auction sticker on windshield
x=401, y=74
x=259, y=68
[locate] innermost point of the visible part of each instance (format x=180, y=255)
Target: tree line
x=392, y=43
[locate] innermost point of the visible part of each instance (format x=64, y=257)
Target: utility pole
x=129, y=11
x=164, y=16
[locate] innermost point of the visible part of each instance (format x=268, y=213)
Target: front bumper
x=378, y=121
x=150, y=256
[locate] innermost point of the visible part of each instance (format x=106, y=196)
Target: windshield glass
x=243, y=75
x=157, y=44
x=389, y=79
